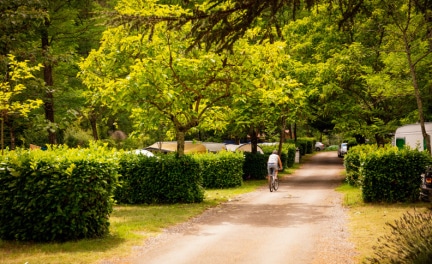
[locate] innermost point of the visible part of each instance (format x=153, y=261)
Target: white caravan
x=411, y=135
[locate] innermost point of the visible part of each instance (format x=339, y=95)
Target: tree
x=345, y=67
x=10, y=88
x=408, y=34
x=54, y=33
x=153, y=70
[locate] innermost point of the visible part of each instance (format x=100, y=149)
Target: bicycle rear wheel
x=276, y=184
x=271, y=183
x=271, y=180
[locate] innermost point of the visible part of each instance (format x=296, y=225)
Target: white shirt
x=273, y=158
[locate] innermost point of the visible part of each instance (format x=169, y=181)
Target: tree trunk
x=379, y=140
x=290, y=131
x=417, y=94
x=2, y=131
x=48, y=78
x=282, y=135
x=11, y=134
x=180, y=143
x=93, y=124
x=254, y=140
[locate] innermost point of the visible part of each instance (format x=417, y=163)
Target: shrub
x=305, y=145
x=352, y=162
x=392, y=175
x=291, y=153
x=77, y=137
x=410, y=241
x=255, y=166
x=56, y=195
x=166, y=179
x=221, y=170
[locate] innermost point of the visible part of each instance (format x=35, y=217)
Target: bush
x=352, y=162
x=221, y=170
x=56, y=195
x=255, y=166
x=166, y=179
x=305, y=145
x=392, y=175
x=410, y=241
x=291, y=153
x=77, y=137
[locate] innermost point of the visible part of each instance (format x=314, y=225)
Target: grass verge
x=367, y=222
x=130, y=226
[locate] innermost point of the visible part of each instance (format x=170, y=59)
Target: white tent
x=247, y=147
x=144, y=152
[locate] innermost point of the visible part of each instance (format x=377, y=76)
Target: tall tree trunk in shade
x=48, y=78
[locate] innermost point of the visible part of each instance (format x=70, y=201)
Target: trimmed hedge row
x=305, y=145
x=353, y=160
x=221, y=170
x=67, y=194
x=166, y=179
x=386, y=174
x=56, y=195
x=255, y=166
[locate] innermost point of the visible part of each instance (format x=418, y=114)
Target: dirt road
x=303, y=222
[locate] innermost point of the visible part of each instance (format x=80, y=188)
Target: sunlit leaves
x=13, y=86
x=149, y=8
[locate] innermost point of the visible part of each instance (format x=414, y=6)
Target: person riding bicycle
x=274, y=162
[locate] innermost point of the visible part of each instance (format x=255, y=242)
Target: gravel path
x=302, y=223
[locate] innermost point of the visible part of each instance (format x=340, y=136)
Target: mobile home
x=411, y=135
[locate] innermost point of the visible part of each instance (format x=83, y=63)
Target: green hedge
x=221, y=170
x=304, y=144
x=56, y=195
x=165, y=179
x=255, y=166
x=392, y=175
x=290, y=149
x=352, y=162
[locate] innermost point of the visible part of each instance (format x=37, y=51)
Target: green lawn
x=367, y=222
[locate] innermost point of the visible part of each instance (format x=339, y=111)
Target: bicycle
x=274, y=182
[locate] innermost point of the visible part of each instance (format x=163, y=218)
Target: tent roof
x=214, y=147
x=171, y=146
x=200, y=147
x=243, y=147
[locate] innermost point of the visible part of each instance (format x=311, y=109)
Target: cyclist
x=274, y=162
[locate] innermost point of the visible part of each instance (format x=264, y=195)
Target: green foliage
x=255, y=166
x=305, y=145
x=165, y=179
x=290, y=150
x=56, y=195
x=410, y=241
x=77, y=137
x=352, y=162
x=392, y=175
x=221, y=170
